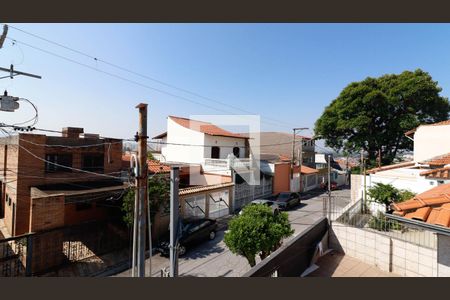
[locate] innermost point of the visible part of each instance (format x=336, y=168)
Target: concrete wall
x=427, y=137
x=390, y=254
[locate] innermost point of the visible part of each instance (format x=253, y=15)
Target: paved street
x=213, y=259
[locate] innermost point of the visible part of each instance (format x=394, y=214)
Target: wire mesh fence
x=372, y=217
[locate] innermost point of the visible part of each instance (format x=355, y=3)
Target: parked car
x=269, y=203
x=333, y=185
x=285, y=200
x=192, y=232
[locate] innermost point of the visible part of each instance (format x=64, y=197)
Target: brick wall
x=32, y=170
x=46, y=213
x=74, y=216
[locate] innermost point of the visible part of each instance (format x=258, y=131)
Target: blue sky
x=288, y=72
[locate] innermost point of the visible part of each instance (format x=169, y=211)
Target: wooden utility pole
x=379, y=158
x=174, y=222
x=141, y=189
x=300, y=158
x=293, y=153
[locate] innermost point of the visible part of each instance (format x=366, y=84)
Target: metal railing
x=357, y=215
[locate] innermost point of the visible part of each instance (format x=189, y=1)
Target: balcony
x=225, y=165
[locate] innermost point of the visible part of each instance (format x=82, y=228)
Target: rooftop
x=391, y=167
x=440, y=173
x=200, y=126
x=440, y=160
x=154, y=166
x=432, y=206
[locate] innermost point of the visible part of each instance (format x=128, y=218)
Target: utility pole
x=141, y=194
x=329, y=188
x=293, y=152
x=365, y=192
x=174, y=223
x=300, y=158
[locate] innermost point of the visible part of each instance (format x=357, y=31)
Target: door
x=215, y=152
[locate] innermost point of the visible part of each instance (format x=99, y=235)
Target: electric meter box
x=8, y=103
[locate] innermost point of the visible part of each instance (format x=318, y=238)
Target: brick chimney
x=72, y=132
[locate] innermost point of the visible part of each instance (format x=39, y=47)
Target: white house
x=430, y=140
x=197, y=142
x=430, y=167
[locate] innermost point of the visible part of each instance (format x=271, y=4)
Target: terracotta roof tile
x=440, y=173
x=432, y=206
x=391, y=167
x=440, y=160
x=204, y=127
x=203, y=188
x=154, y=166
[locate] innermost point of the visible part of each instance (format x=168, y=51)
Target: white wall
x=221, y=141
x=430, y=141
x=389, y=254
x=181, y=135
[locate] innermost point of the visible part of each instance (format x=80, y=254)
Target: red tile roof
x=432, y=206
x=206, y=128
x=204, y=188
x=440, y=160
x=391, y=167
x=440, y=173
x=154, y=166
x=305, y=170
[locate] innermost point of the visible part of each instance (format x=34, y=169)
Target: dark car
x=192, y=232
x=333, y=185
x=286, y=200
x=268, y=203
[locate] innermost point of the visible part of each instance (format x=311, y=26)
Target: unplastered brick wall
x=391, y=254
x=47, y=213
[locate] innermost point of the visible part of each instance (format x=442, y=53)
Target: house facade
x=41, y=187
x=197, y=142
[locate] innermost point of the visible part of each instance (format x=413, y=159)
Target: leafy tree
x=384, y=194
x=257, y=231
x=159, y=196
x=373, y=114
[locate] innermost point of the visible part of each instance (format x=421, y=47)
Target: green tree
x=150, y=156
x=405, y=195
x=373, y=114
x=159, y=196
x=384, y=194
x=257, y=231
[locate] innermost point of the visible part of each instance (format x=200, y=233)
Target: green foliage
x=150, y=156
x=405, y=195
x=257, y=231
x=374, y=113
x=381, y=223
x=159, y=196
x=384, y=194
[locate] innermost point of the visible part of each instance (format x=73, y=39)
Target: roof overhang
x=420, y=224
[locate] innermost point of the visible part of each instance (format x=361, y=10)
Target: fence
x=370, y=217
x=14, y=256
x=244, y=193
x=38, y=253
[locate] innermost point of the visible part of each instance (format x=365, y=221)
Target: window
x=83, y=206
x=215, y=152
x=236, y=151
x=93, y=162
x=56, y=162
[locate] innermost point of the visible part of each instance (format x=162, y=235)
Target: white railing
x=227, y=163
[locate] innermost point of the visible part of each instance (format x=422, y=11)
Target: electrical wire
x=96, y=59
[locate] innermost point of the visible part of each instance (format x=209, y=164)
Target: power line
x=96, y=59
x=132, y=81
